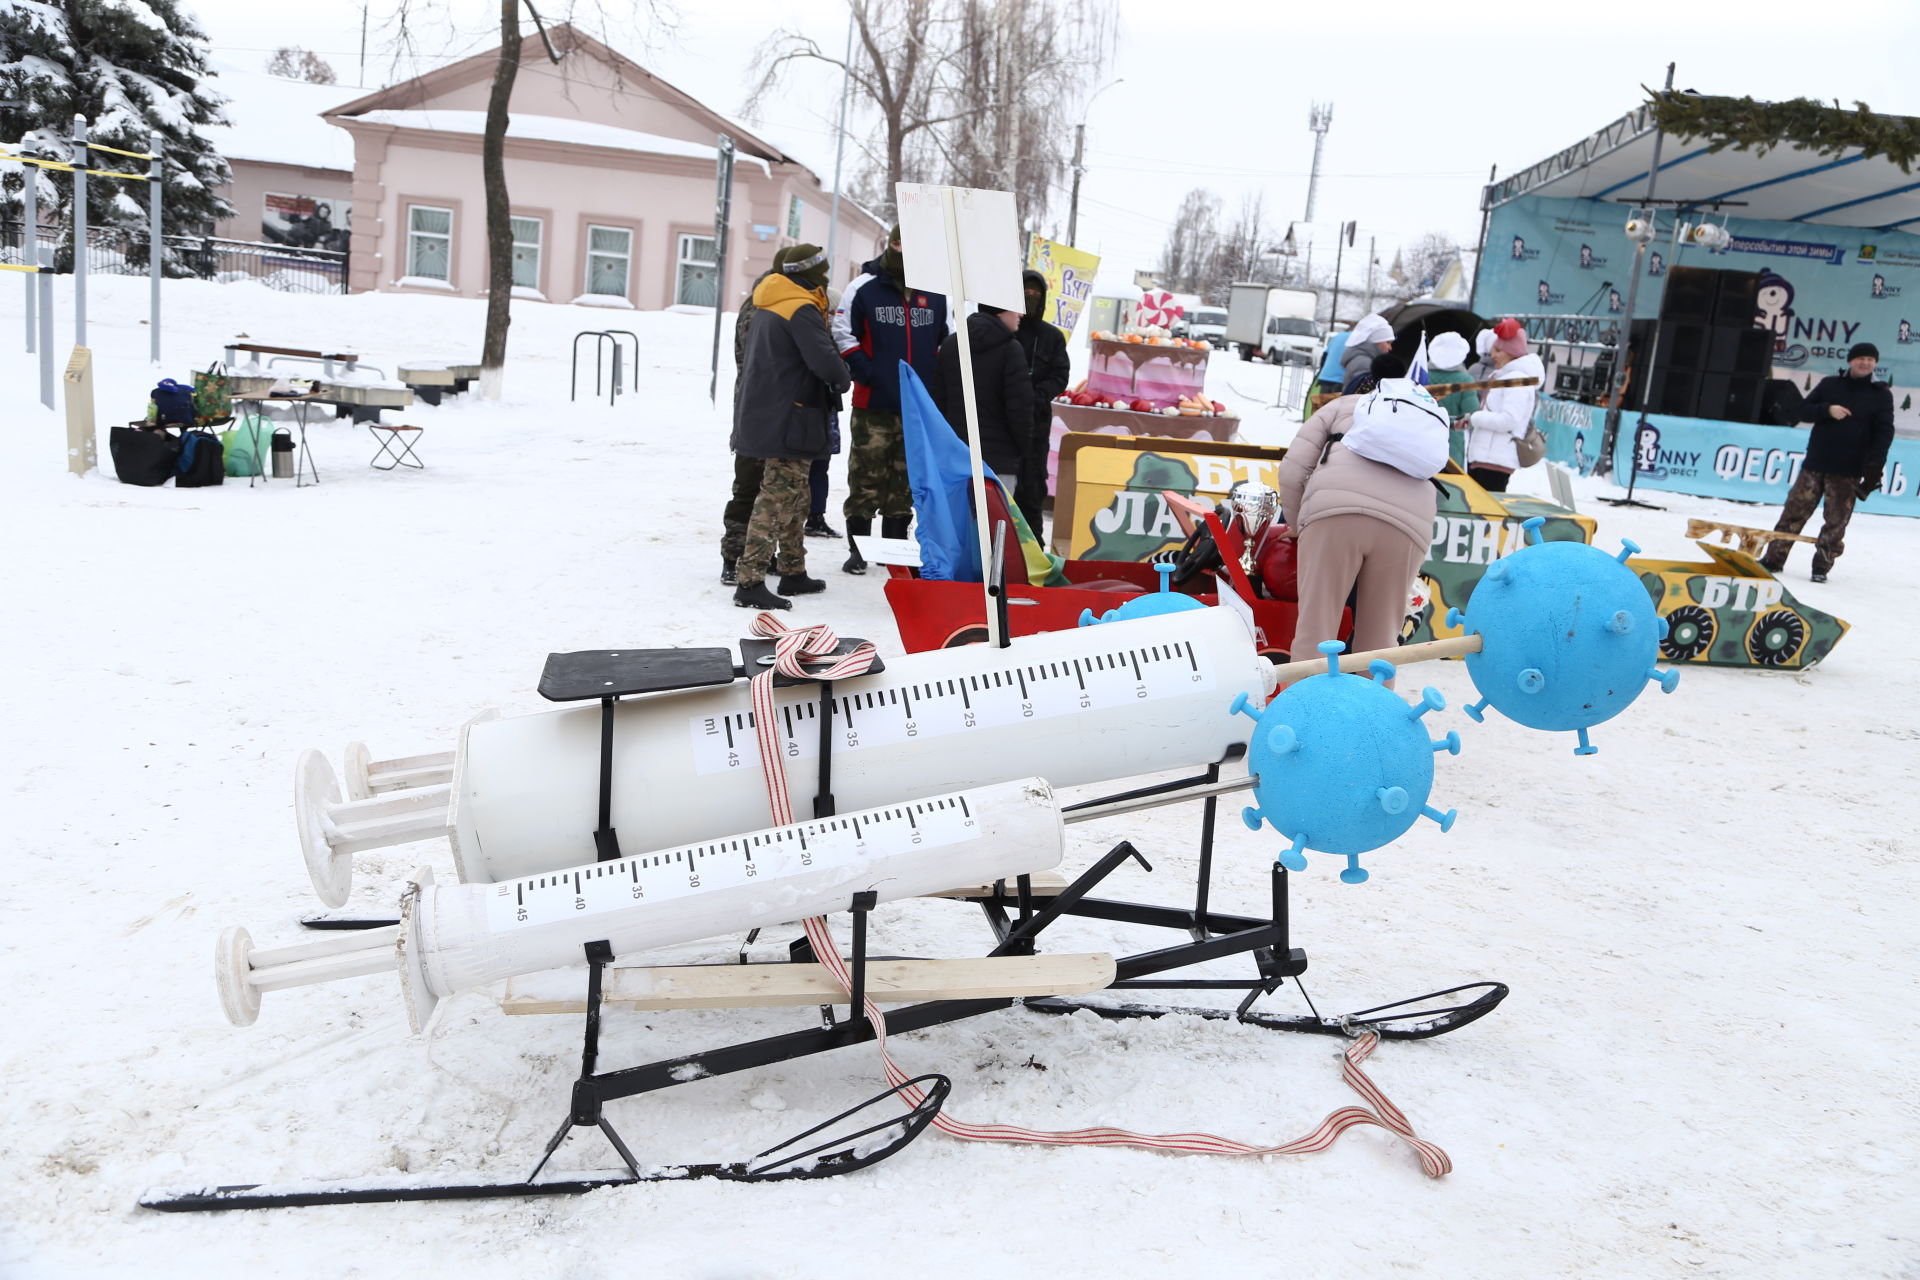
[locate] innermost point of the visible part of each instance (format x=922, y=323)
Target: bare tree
x=295, y=63
x=493, y=169
x=1187, y=263
x=964, y=91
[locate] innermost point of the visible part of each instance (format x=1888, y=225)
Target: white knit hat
x=1483, y=343
x=1447, y=351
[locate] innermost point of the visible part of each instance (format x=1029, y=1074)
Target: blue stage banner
x=1822, y=288
x=1711, y=459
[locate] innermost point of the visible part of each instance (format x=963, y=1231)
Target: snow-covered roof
x=586, y=133
x=279, y=120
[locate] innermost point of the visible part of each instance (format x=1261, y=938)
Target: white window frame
x=537, y=244
x=626, y=277
x=415, y=234
x=682, y=259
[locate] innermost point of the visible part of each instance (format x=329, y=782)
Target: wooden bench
x=743, y=986
x=256, y=349
x=1751, y=541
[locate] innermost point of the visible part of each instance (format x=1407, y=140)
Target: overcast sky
x=1217, y=94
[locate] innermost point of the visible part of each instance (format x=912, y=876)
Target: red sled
x=941, y=615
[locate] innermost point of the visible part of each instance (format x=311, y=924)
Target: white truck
x=1267, y=322
x=1209, y=324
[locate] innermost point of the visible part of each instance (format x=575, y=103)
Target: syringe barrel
x=467, y=935
x=1087, y=705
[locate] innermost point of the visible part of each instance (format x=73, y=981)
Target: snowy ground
x=1706, y=1068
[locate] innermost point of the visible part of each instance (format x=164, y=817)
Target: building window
x=609, y=250
x=699, y=272
x=793, y=217
x=429, y=241
x=526, y=252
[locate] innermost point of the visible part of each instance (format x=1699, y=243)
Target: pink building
x=611, y=172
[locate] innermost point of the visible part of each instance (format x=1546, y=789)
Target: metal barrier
x=603, y=339
x=119, y=252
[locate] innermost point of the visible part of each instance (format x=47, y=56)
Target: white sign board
x=983, y=261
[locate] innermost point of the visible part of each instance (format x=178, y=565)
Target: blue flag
x=940, y=470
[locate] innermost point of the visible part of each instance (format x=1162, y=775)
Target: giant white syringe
x=456, y=937
x=1086, y=705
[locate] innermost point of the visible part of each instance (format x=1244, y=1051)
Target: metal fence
x=114, y=251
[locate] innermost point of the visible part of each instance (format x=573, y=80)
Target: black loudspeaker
x=1690, y=295
x=1675, y=391
x=1729, y=397
x=1780, y=402
x=1683, y=347
x=1746, y=351
x=1735, y=298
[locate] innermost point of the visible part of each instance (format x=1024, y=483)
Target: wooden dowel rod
x=1400, y=656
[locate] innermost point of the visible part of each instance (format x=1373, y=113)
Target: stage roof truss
x=1789, y=182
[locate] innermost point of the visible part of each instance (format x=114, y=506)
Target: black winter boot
x=799, y=584
x=727, y=576
x=895, y=526
x=817, y=527
x=756, y=596
x=856, y=563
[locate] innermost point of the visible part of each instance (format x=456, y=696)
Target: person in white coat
x=1508, y=411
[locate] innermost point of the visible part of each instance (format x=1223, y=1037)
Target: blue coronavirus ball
x=1342, y=765
x=1568, y=637
x=1148, y=604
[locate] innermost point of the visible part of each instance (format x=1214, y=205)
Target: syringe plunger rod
x=456, y=937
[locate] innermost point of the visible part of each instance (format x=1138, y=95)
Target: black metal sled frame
x=1018, y=917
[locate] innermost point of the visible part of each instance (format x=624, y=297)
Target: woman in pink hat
x=1508, y=411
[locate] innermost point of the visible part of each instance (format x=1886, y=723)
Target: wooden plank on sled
x=744, y=986
x=1046, y=884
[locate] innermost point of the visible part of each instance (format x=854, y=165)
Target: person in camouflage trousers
x=1810, y=488
x=1852, y=417
x=877, y=467
x=773, y=533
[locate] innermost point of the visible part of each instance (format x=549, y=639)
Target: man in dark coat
x=790, y=382
x=1002, y=391
x=1852, y=417
x=746, y=471
x=1046, y=349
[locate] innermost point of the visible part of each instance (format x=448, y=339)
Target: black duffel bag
x=202, y=460
x=144, y=455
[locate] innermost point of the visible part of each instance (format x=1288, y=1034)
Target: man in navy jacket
x=879, y=323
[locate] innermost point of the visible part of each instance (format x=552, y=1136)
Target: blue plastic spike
x=1252, y=817
x=1381, y=670
x=1496, y=572
x=1333, y=649
x=1392, y=799
x=1621, y=623
x=1431, y=699
x=1281, y=739
x=1477, y=711
x=1449, y=744
x=1444, y=819
x=1533, y=526
x=1531, y=680
x=1165, y=570
x=1664, y=628
x=1295, y=858
x=1243, y=705
x=1454, y=616
x=1087, y=619
x=1628, y=547
x=1585, y=748
x=1355, y=873
x=1667, y=680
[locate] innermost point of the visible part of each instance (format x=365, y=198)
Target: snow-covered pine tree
x=132, y=68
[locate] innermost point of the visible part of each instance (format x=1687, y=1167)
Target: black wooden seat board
x=616, y=673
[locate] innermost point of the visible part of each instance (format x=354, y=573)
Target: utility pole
x=1369, y=307
x=363, y=46
x=1340, y=243
x=1073, y=205
x=839, y=144
x=1320, y=119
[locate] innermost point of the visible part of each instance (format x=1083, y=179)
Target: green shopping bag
x=245, y=444
x=212, y=401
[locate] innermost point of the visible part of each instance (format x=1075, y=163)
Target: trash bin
x=282, y=454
